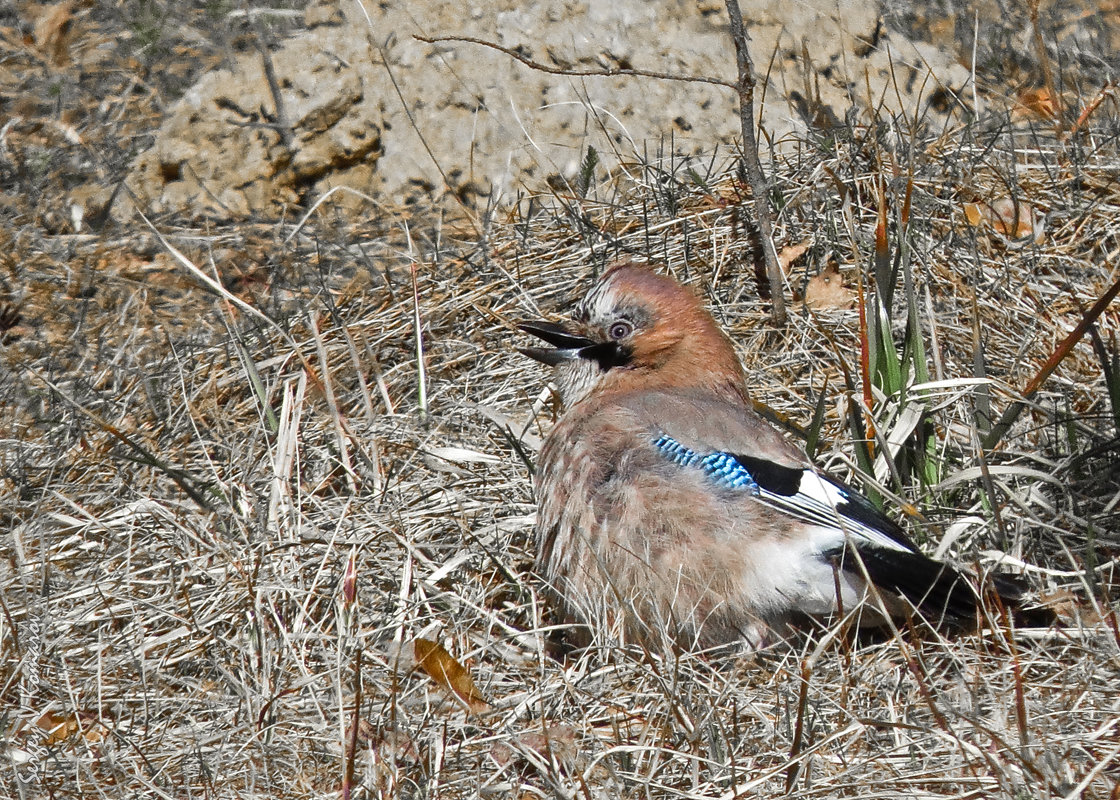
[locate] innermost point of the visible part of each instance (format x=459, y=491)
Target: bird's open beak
x=566, y=345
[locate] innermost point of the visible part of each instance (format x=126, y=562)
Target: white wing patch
x=817, y=501
x=821, y=501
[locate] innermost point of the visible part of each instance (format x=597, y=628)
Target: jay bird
x=666, y=504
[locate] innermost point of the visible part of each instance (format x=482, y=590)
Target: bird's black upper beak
x=569, y=346
x=566, y=345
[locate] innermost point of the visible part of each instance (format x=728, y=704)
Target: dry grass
x=183, y=486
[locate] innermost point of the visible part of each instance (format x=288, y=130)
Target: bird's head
x=637, y=329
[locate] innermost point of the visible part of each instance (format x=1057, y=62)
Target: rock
x=376, y=110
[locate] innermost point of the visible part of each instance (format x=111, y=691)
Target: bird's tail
x=943, y=594
x=1012, y=592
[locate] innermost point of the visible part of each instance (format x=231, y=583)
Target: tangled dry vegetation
x=266, y=505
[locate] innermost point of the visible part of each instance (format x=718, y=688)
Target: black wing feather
x=939, y=591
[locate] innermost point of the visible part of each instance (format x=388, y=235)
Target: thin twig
x=760, y=187
x=1108, y=90
x=1015, y=409
x=577, y=73
x=283, y=126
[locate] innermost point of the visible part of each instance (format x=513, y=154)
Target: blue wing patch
x=723, y=468
x=798, y=492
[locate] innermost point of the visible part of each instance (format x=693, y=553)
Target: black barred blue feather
x=847, y=520
x=801, y=493
x=724, y=468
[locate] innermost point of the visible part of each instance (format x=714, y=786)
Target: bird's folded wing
x=738, y=451
x=839, y=521
x=798, y=492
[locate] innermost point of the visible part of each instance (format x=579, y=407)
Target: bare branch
x=760, y=187
x=283, y=125
x=578, y=73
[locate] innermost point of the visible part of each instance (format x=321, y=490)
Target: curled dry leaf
x=54, y=31
x=385, y=743
x=442, y=668
x=827, y=290
x=1013, y=219
x=362, y=738
x=393, y=756
x=393, y=743
x=1069, y=609
x=790, y=254
x=60, y=726
x=556, y=741
x=1038, y=102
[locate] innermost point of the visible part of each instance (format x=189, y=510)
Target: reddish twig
x=1015, y=409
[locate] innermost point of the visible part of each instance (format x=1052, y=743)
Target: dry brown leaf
x=556, y=741
x=442, y=668
x=54, y=31
x=1069, y=609
x=827, y=290
x=790, y=254
x=60, y=726
x=1015, y=219
x=1039, y=102
x=395, y=744
x=388, y=743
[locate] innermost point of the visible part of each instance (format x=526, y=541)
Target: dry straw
x=207, y=642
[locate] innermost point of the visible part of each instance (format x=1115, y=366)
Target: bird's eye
x=620, y=330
